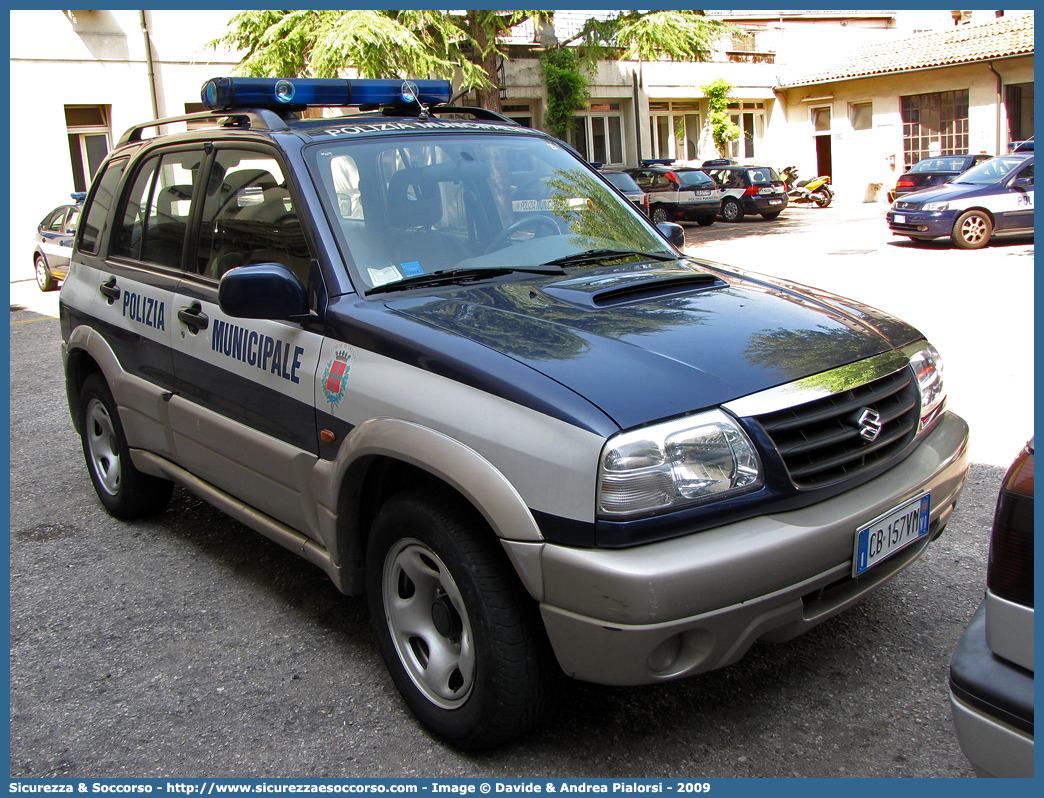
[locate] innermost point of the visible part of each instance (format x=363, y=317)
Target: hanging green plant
x=566, y=89
x=723, y=130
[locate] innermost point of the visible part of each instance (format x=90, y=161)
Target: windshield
x=694, y=178
x=406, y=206
x=994, y=170
x=621, y=181
x=954, y=164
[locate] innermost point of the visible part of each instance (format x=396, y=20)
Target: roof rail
x=478, y=113
x=254, y=118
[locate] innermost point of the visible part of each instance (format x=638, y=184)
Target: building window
x=750, y=119
x=674, y=130
x=821, y=119
x=598, y=136
x=934, y=124
x=88, y=129
x=519, y=112
x=862, y=115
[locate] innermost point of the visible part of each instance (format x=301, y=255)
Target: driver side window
x=249, y=217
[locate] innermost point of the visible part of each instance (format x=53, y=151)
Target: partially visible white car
x=991, y=675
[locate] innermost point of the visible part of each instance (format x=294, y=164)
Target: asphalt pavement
x=187, y=645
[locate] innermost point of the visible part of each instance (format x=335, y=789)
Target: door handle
x=110, y=290
x=194, y=318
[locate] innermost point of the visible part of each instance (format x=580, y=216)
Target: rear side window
x=97, y=209
x=155, y=216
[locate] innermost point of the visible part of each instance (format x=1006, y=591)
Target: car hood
x=646, y=342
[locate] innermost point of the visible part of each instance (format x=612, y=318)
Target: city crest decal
x=335, y=377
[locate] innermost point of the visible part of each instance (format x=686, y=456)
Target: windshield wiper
x=595, y=255
x=454, y=275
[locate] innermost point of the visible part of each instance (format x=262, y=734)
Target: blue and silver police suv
x=437, y=355
x=992, y=199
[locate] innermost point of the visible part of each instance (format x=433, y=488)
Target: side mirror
x=674, y=233
x=263, y=291
x=1023, y=182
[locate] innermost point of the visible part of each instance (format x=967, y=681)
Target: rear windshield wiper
x=596, y=255
x=455, y=275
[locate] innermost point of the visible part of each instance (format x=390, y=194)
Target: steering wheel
x=536, y=222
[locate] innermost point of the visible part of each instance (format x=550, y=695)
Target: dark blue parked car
x=991, y=199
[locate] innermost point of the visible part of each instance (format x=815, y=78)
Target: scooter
x=817, y=190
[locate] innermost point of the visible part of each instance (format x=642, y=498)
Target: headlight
x=935, y=206
x=679, y=463
x=927, y=365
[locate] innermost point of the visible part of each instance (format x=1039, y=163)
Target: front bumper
x=695, y=603
x=992, y=704
x=921, y=224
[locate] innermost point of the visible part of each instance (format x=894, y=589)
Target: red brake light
x=904, y=184
x=672, y=177
x=751, y=190
x=1009, y=573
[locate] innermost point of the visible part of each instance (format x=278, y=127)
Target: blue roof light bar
x=277, y=94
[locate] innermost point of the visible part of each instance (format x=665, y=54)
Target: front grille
x=820, y=441
x=906, y=206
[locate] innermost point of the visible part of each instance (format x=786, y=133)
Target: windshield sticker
x=384, y=276
x=335, y=377
x=521, y=206
x=411, y=268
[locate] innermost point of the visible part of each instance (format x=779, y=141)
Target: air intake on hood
x=648, y=286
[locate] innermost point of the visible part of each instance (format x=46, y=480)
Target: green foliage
x=566, y=89
x=459, y=45
x=723, y=130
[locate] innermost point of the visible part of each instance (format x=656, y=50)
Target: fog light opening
x=665, y=654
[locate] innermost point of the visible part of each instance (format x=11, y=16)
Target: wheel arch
x=85, y=354
x=384, y=456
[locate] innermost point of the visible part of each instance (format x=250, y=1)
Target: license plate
x=703, y=193
x=775, y=202
x=883, y=537
x=900, y=220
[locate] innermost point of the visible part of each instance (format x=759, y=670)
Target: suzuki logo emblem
x=869, y=424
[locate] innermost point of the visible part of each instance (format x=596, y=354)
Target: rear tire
x=770, y=216
x=461, y=638
x=659, y=215
x=705, y=221
x=972, y=230
x=821, y=197
x=125, y=491
x=731, y=210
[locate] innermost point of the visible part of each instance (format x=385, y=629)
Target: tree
x=723, y=130
x=376, y=44
x=460, y=45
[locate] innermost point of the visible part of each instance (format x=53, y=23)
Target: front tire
x=125, y=491
x=731, y=210
x=461, y=638
x=44, y=279
x=972, y=230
